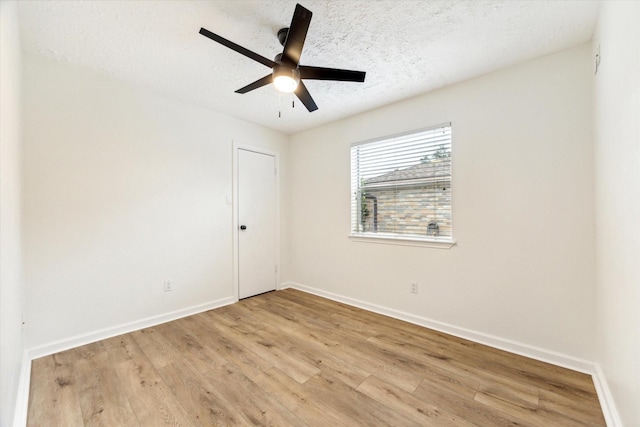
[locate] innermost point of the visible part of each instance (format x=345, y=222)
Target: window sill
x=403, y=241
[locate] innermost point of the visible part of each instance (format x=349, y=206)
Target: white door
x=256, y=223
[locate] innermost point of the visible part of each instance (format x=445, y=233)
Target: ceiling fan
x=287, y=72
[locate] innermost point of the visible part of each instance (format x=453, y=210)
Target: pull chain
x=293, y=104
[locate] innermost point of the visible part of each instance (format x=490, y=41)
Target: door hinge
x=275, y=171
x=276, y=268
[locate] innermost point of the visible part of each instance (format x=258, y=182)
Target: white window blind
x=401, y=186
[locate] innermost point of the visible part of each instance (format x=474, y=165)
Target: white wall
x=123, y=189
x=523, y=268
x=617, y=171
x=11, y=350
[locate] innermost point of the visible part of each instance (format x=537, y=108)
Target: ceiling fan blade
x=297, y=34
x=320, y=73
x=241, y=50
x=255, y=85
x=305, y=97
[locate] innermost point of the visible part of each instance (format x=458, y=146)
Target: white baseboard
x=604, y=394
x=526, y=350
x=607, y=403
x=22, y=404
x=79, y=340
x=591, y=368
x=22, y=399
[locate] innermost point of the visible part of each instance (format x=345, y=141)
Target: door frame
x=236, y=224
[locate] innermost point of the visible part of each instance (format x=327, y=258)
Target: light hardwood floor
x=293, y=359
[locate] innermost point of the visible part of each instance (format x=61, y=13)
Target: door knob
x=243, y=227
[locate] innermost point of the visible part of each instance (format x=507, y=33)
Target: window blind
x=401, y=185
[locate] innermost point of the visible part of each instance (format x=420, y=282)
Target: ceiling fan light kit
x=286, y=72
x=285, y=79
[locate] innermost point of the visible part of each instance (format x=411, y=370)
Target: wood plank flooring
x=293, y=359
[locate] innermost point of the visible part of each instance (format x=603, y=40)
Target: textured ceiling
x=406, y=47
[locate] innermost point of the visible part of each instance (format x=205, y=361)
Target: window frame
x=399, y=239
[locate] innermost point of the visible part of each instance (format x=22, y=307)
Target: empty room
x=410, y=213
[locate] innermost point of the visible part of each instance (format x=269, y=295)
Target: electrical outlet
x=168, y=286
x=414, y=287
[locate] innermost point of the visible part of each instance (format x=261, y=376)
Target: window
x=401, y=186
